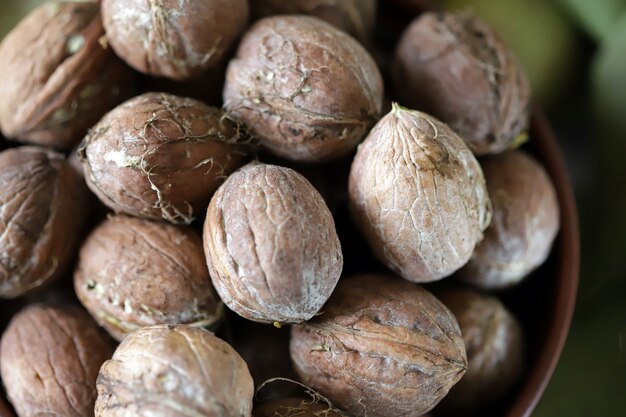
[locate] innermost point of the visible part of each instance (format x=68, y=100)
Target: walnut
x=160, y=156
x=356, y=17
x=271, y=245
x=169, y=371
x=455, y=67
x=44, y=209
x=383, y=348
x=134, y=273
x=418, y=195
x=307, y=90
x=49, y=358
x=495, y=351
x=57, y=79
x=525, y=222
x=171, y=38
x=296, y=407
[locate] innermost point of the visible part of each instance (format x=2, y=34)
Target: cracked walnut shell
x=383, y=348
x=170, y=371
x=50, y=358
x=134, y=273
x=160, y=156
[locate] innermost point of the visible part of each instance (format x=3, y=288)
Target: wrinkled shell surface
x=172, y=38
x=455, y=67
x=50, y=357
x=525, y=222
x=382, y=348
x=271, y=245
x=160, y=156
x=57, y=80
x=418, y=195
x=296, y=407
x=307, y=90
x=173, y=371
x=134, y=273
x=357, y=17
x=43, y=212
x=495, y=345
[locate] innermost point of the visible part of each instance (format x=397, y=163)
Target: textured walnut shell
x=525, y=222
x=134, y=273
x=296, y=407
x=418, y=195
x=173, y=371
x=50, y=357
x=455, y=67
x=495, y=350
x=172, y=38
x=357, y=17
x=383, y=348
x=307, y=90
x=57, y=79
x=160, y=156
x=43, y=212
x=271, y=245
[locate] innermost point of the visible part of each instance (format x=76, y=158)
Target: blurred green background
x=575, y=54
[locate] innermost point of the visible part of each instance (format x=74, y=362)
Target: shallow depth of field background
x=575, y=54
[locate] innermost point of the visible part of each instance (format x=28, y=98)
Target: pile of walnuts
x=282, y=231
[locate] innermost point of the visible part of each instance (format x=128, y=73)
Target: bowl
x=545, y=302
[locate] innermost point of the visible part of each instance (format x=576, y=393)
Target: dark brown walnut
x=271, y=245
x=171, y=38
x=173, y=371
x=357, y=17
x=43, y=213
x=159, y=156
x=296, y=407
x=307, y=90
x=418, y=195
x=57, y=78
x=134, y=273
x=383, y=348
x=525, y=222
x=455, y=67
x=50, y=358
x=495, y=350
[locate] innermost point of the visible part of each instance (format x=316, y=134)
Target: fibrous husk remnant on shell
x=418, y=195
x=271, y=245
x=174, y=371
x=160, y=156
x=57, y=79
x=307, y=90
x=455, y=67
x=383, y=348
x=50, y=357
x=134, y=273
x=172, y=38
x=45, y=205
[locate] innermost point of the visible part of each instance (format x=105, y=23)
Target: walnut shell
x=525, y=222
x=50, y=357
x=57, y=80
x=160, y=156
x=418, y=195
x=307, y=90
x=495, y=350
x=382, y=348
x=296, y=407
x=170, y=371
x=134, y=273
x=271, y=245
x=455, y=67
x=171, y=38
x=43, y=212
x=356, y=17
